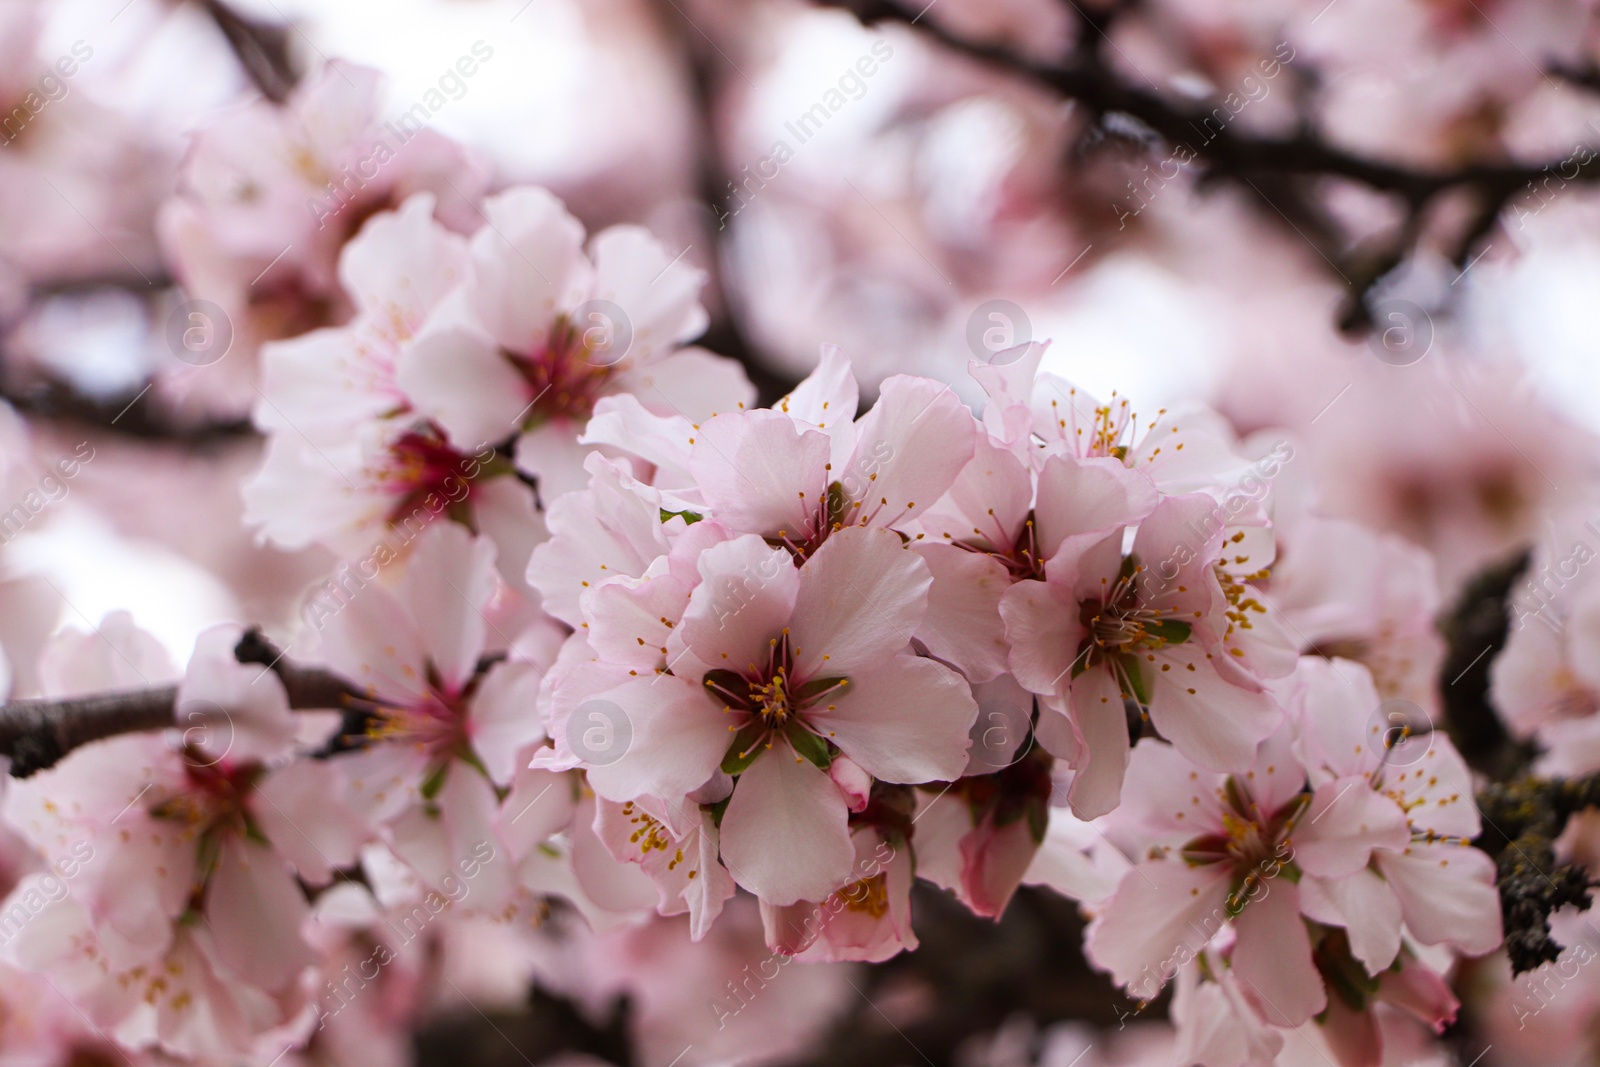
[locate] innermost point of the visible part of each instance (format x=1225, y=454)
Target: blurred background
x=1369, y=223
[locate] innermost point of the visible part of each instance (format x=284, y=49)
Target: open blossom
x=1545, y=685
x=271, y=193
x=1440, y=887
x=979, y=836
x=1348, y=591
x=1308, y=872
x=867, y=919
x=677, y=846
x=444, y=729
x=350, y=463
x=542, y=330
x=1168, y=626
x=807, y=467
x=184, y=854
x=395, y=272
x=773, y=676
x=1036, y=414
x=804, y=470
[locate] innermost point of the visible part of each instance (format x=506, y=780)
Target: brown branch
x=36, y=734
x=1522, y=821
x=1244, y=158
x=132, y=414
x=726, y=335
x=262, y=49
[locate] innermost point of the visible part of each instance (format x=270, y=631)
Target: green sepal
x=816, y=687
x=435, y=780
x=689, y=517
x=1135, y=676
x=253, y=831
x=1085, y=658
x=809, y=745
x=1351, y=985
x=744, y=749
x=1038, y=821
x=729, y=682
x=1172, y=631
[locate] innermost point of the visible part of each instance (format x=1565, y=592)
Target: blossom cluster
x=619, y=642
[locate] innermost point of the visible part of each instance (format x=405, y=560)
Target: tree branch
x=36, y=734
x=131, y=415
x=726, y=335
x=262, y=49
x=1243, y=158
x=1523, y=819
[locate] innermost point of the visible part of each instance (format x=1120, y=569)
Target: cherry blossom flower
x=803, y=470
x=444, y=728
x=677, y=847
x=542, y=331
x=868, y=919
x=774, y=672
x=1184, y=451
x=395, y=272
x=1440, y=887
x=1544, y=684
x=184, y=895
x=1377, y=858
x=271, y=193
x=1166, y=626
x=978, y=837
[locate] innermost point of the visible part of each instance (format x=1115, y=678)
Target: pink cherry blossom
x=183, y=853
x=272, y=192
x=542, y=330
x=1167, y=626
x=444, y=728
x=769, y=673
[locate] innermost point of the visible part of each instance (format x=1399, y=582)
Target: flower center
x=1123, y=622
x=566, y=374
x=1254, y=844
x=420, y=466
x=768, y=700
x=436, y=723
x=869, y=896
x=215, y=793
x=772, y=697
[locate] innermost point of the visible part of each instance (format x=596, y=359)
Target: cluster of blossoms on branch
x=619, y=642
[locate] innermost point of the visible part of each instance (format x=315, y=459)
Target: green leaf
x=809, y=745
x=718, y=809
x=690, y=517
x=746, y=746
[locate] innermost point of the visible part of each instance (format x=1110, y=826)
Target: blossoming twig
x=36, y=734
